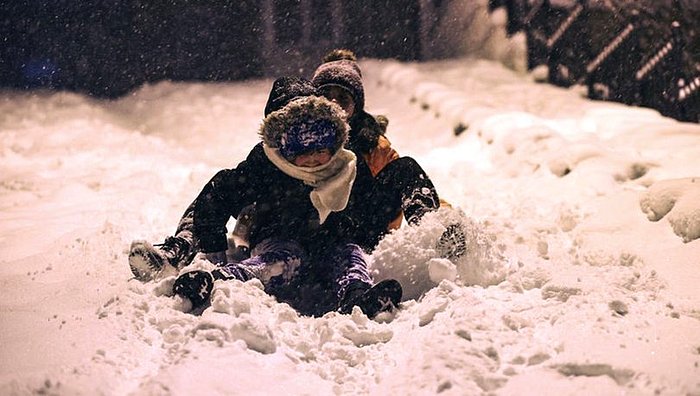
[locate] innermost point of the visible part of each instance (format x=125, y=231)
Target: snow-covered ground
x=581, y=278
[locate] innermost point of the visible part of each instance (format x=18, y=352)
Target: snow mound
x=411, y=255
x=680, y=200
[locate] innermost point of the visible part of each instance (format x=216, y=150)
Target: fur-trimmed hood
x=302, y=116
x=286, y=89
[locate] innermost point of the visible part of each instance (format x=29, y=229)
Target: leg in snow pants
x=313, y=285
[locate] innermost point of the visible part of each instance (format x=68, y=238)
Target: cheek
x=300, y=160
x=349, y=109
x=312, y=160
x=320, y=159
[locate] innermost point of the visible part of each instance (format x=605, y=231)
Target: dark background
x=108, y=47
x=639, y=52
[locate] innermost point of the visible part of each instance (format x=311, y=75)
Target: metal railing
x=621, y=50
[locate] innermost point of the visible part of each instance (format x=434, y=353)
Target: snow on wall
x=469, y=30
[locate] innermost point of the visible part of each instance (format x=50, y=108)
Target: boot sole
x=144, y=263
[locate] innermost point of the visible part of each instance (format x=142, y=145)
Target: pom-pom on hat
x=344, y=73
x=285, y=89
x=305, y=124
x=338, y=54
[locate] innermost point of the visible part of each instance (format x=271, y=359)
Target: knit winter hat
x=338, y=54
x=285, y=89
x=344, y=73
x=305, y=124
x=307, y=136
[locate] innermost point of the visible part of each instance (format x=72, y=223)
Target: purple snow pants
x=312, y=284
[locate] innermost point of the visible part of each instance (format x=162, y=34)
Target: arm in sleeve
x=381, y=155
x=221, y=198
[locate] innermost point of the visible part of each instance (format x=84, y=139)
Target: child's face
x=341, y=97
x=313, y=158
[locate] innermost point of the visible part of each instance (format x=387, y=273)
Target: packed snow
x=582, y=218
x=580, y=277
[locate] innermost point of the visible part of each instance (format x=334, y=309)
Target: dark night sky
x=108, y=47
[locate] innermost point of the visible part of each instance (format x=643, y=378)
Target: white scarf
x=331, y=181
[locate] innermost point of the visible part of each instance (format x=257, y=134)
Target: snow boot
x=145, y=260
x=385, y=296
x=197, y=286
x=148, y=261
x=452, y=243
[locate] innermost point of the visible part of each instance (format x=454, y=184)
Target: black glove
x=196, y=286
x=352, y=296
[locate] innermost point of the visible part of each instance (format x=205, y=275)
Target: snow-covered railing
x=689, y=98
x=631, y=53
x=564, y=26
x=610, y=75
x=614, y=45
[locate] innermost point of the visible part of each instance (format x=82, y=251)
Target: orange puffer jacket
x=377, y=158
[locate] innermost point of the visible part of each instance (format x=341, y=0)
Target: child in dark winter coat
x=156, y=261
x=389, y=187
x=299, y=181
x=404, y=187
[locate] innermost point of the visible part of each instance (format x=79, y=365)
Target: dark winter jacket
x=400, y=179
x=365, y=131
x=283, y=208
x=368, y=141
